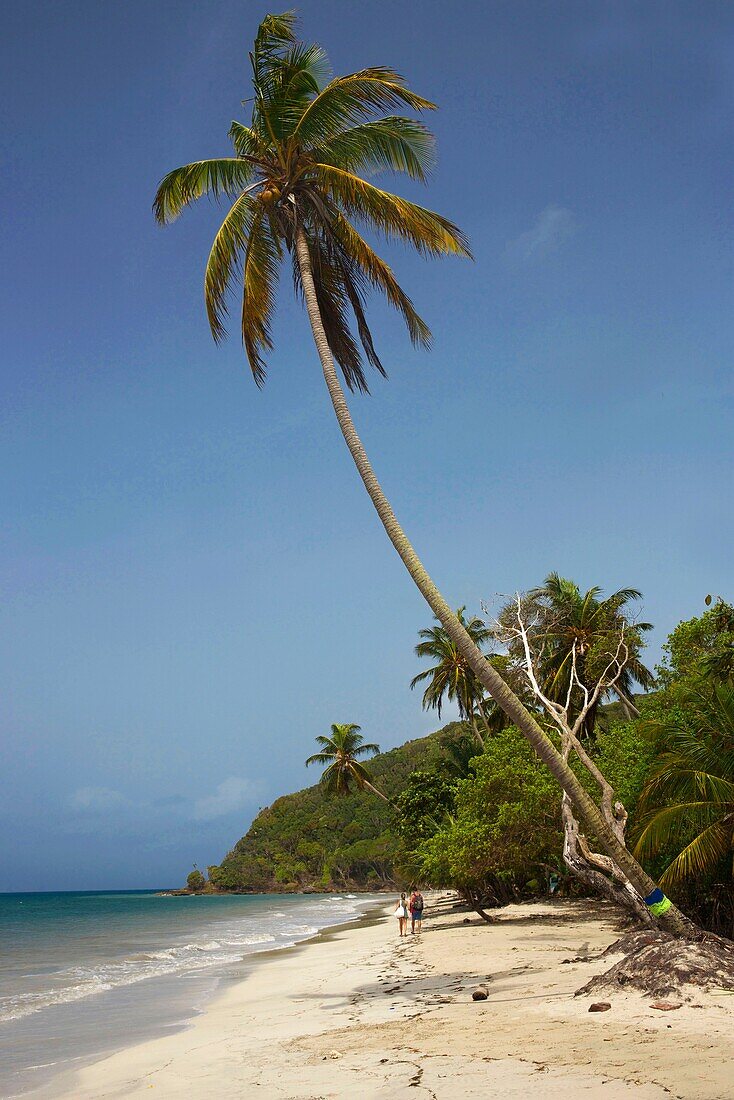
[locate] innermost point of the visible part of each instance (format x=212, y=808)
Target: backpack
x=418, y=903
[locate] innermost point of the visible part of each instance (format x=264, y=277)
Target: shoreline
x=354, y=1011
x=50, y=1044
x=223, y=977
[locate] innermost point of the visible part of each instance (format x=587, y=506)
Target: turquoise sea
x=86, y=973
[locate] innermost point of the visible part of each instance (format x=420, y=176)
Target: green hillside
x=310, y=839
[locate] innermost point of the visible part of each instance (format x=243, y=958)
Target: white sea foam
x=232, y=939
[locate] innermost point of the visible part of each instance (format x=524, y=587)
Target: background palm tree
x=339, y=752
x=560, y=617
x=459, y=753
x=687, y=803
x=296, y=181
x=451, y=677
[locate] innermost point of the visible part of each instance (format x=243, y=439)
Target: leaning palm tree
x=339, y=752
x=451, y=677
x=687, y=803
x=296, y=181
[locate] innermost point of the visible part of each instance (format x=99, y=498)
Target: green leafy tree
x=297, y=186
x=700, y=647
x=195, y=880
x=340, y=753
x=423, y=805
x=505, y=829
x=719, y=664
x=624, y=753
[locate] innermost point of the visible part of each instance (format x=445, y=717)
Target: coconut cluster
x=270, y=194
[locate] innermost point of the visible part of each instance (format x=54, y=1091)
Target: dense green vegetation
x=685, y=819
x=486, y=820
x=494, y=832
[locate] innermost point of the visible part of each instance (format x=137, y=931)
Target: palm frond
x=353, y=281
x=382, y=278
x=623, y=596
x=662, y=827
x=259, y=279
x=224, y=261
x=673, y=778
x=386, y=144
x=395, y=217
x=246, y=141
x=294, y=78
x=421, y=677
x=334, y=304
x=335, y=780
x=349, y=100
x=275, y=33
x=368, y=746
x=182, y=186
x=346, y=733
x=320, y=758
x=702, y=856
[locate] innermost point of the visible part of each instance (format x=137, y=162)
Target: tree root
x=658, y=964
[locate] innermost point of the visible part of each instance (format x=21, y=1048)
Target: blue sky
x=195, y=584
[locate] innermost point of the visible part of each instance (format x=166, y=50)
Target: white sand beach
x=360, y=1013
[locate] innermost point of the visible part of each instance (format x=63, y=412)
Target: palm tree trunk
x=672, y=920
x=477, y=734
x=483, y=713
x=368, y=787
x=628, y=705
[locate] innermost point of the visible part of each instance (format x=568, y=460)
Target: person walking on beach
x=416, y=910
x=401, y=912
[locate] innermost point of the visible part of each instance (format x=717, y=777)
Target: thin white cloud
x=97, y=799
x=552, y=227
x=232, y=795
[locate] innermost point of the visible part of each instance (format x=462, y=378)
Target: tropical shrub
x=505, y=830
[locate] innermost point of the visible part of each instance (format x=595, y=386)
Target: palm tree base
x=659, y=964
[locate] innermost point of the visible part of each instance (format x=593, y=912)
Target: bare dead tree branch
x=597, y=870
